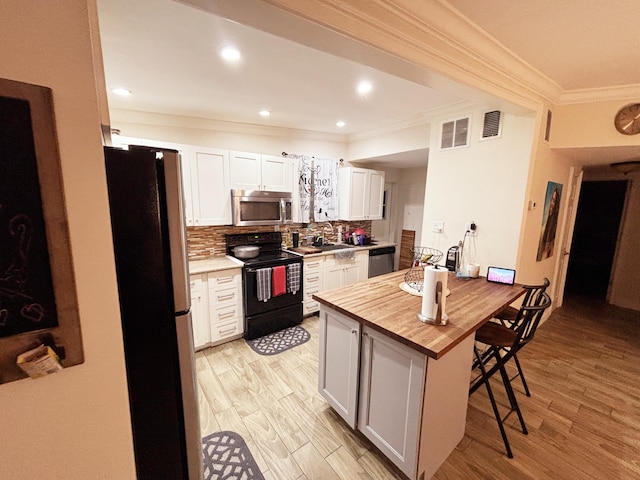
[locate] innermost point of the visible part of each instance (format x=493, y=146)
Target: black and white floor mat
x=227, y=457
x=278, y=342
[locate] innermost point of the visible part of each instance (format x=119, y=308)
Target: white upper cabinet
x=210, y=186
x=252, y=171
x=276, y=174
x=185, y=163
x=361, y=193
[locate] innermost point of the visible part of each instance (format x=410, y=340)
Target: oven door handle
x=254, y=270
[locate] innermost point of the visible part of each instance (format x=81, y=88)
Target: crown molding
x=160, y=119
x=604, y=94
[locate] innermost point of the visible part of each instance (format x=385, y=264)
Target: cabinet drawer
x=220, y=315
x=309, y=292
x=220, y=331
x=310, y=306
x=224, y=278
x=224, y=297
x=312, y=280
x=313, y=266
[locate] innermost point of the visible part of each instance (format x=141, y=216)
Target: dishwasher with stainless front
x=381, y=261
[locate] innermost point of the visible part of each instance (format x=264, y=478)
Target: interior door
x=575, y=182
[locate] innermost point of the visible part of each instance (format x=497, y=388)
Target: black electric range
x=277, y=312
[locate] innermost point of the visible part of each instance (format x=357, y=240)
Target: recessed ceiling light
x=364, y=88
x=340, y=123
x=123, y=92
x=264, y=113
x=231, y=54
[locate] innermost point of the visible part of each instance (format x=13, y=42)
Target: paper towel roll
x=429, y=311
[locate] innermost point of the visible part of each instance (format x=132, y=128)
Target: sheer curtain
x=318, y=188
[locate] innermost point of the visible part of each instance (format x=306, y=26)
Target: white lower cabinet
x=216, y=307
x=225, y=304
x=339, y=272
x=313, y=269
x=339, y=364
x=390, y=404
x=375, y=384
x=199, y=310
x=411, y=407
x=327, y=272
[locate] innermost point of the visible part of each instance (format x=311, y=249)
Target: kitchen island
x=403, y=383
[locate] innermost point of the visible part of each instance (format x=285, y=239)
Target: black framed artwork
x=38, y=302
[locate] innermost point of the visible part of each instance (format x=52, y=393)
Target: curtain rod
x=297, y=155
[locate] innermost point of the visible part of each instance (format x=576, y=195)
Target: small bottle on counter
x=339, y=234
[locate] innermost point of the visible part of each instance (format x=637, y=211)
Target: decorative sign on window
x=318, y=188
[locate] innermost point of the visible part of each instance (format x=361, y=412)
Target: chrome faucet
x=323, y=227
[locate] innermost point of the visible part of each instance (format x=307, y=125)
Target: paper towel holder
x=440, y=318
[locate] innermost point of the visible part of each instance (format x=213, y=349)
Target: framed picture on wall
x=38, y=303
x=550, y=215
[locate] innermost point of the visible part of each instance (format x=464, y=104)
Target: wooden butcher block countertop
x=381, y=304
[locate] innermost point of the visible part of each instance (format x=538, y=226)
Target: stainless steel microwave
x=258, y=207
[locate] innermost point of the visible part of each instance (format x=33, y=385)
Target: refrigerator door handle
x=177, y=230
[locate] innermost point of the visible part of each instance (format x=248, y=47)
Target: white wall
x=73, y=424
x=207, y=133
x=410, y=195
x=485, y=182
x=415, y=137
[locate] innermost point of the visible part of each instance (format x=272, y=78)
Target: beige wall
x=589, y=125
x=577, y=126
x=548, y=166
x=73, y=424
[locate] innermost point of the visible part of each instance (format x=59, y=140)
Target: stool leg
x=512, y=398
x=524, y=381
x=494, y=405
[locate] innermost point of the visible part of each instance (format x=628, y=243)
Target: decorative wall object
x=38, y=303
x=549, y=221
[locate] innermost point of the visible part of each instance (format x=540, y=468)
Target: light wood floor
x=583, y=369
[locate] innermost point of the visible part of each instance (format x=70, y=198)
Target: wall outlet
x=438, y=227
x=472, y=232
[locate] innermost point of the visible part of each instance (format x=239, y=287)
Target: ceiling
x=601, y=39
x=166, y=53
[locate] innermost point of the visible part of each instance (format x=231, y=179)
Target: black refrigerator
x=147, y=220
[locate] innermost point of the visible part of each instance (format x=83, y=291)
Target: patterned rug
x=278, y=342
x=226, y=457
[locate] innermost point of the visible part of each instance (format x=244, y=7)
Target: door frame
x=562, y=262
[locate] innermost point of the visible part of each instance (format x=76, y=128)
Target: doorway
x=595, y=238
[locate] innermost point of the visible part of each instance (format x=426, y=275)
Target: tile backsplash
x=210, y=241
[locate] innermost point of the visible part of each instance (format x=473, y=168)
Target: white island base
x=411, y=407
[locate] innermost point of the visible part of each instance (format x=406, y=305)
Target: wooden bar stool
x=502, y=344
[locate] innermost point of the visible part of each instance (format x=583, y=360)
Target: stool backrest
x=533, y=294
x=529, y=319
